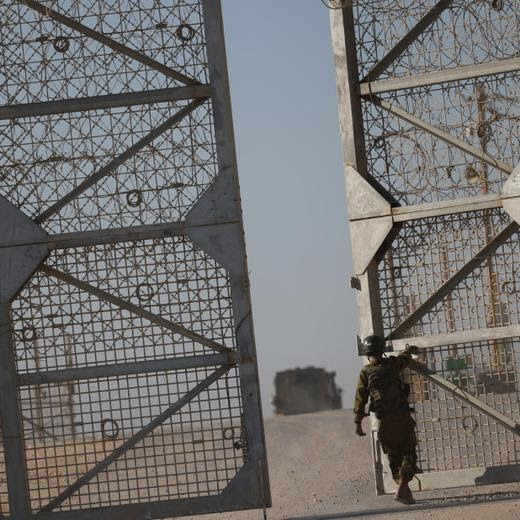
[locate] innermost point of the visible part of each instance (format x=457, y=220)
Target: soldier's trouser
x=397, y=438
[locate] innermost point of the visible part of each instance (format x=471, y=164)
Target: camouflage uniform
x=381, y=382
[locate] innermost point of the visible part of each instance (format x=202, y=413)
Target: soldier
x=380, y=381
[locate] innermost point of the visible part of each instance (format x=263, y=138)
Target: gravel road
x=320, y=468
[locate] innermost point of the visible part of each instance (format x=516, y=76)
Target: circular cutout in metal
x=185, y=32
x=470, y=423
x=144, y=292
x=134, y=198
x=380, y=141
x=228, y=433
x=29, y=334
x=109, y=429
x=484, y=132
x=509, y=287
x=61, y=44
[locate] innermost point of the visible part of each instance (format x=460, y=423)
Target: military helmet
x=373, y=345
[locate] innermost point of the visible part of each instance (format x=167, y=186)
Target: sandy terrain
x=319, y=468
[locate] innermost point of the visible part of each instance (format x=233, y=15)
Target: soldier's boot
x=404, y=493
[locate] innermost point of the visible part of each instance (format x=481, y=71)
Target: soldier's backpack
x=387, y=393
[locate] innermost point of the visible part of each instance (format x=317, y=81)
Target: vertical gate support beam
x=511, y=195
x=223, y=205
x=355, y=164
x=354, y=154
x=17, y=264
x=12, y=428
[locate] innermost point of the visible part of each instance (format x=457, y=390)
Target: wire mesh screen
x=195, y=453
x=463, y=35
x=132, y=332
x=430, y=113
x=44, y=60
x=452, y=435
x=428, y=252
x=413, y=165
x=59, y=325
x=417, y=167
x=44, y=158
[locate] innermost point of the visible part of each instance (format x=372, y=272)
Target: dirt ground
x=320, y=468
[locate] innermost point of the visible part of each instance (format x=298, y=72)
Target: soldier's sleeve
x=361, y=398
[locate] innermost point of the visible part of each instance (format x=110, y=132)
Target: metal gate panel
x=128, y=373
x=430, y=111
x=442, y=447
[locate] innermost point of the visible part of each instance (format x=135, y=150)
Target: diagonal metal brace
x=130, y=307
x=464, y=396
x=119, y=160
x=441, y=134
x=407, y=40
x=109, y=42
x=449, y=285
x=132, y=441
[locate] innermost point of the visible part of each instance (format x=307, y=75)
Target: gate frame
x=214, y=224
x=375, y=217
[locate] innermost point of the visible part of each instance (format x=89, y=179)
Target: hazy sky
x=289, y=157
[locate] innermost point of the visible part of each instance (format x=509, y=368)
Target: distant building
x=305, y=390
